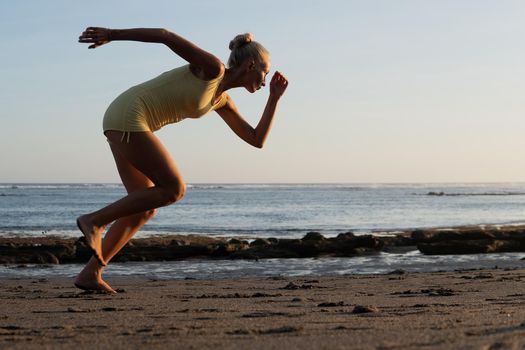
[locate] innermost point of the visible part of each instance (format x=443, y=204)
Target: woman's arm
x=255, y=137
x=210, y=65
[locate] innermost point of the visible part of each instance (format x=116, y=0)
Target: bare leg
x=116, y=238
x=140, y=188
x=146, y=154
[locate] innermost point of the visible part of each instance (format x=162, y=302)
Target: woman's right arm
x=190, y=52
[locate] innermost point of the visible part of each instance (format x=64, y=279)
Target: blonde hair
x=243, y=47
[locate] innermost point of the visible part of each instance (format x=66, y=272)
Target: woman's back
x=168, y=98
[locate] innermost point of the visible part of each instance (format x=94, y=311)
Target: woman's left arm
x=255, y=137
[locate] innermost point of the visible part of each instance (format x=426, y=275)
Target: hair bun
x=241, y=40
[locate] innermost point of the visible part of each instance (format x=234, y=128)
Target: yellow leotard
x=169, y=98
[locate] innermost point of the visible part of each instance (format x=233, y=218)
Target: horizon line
x=280, y=183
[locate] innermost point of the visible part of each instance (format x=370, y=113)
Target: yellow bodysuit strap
x=124, y=134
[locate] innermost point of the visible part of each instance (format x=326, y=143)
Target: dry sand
x=446, y=310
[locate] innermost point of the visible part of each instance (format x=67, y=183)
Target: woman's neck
x=231, y=80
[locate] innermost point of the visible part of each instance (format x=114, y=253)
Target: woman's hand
x=278, y=85
x=95, y=35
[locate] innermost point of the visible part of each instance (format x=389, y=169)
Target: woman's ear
x=249, y=64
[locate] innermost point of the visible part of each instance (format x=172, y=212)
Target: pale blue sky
x=380, y=91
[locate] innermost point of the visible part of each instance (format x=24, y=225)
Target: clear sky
x=380, y=90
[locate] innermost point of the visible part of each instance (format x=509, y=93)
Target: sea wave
x=381, y=263
x=503, y=193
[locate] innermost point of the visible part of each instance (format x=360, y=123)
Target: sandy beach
x=479, y=309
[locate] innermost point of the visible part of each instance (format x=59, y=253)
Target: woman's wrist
x=273, y=98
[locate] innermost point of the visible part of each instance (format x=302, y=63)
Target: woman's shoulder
x=201, y=74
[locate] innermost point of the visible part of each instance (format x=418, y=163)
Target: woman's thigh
x=132, y=179
x=143, y=154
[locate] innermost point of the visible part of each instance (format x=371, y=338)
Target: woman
x=148, y=172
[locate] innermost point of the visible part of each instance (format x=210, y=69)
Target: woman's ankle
x=92, y=268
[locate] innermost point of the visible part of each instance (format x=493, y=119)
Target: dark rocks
x=259, y=242
x=273, y=240
x=469, y=233
x=293, y=286
x=331, y=304
x=284, y=329
x=399, y=242
x=225, y=249
x=361, y=309
x=346, y=235
x=428, y=236
x=454, y=247
x=313, y=236
x=45, y=250
x=439, y=292
x=464, y=240
x=55, y=250
x=312, y=245
x=46, y=258
x=470, y=240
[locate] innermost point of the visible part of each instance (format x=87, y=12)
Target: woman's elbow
x=256, y=141
x=165, y=35
x=258, y=144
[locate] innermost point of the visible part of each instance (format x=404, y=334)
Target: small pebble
x=360, y=309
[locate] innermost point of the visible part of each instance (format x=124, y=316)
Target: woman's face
x=256, y=76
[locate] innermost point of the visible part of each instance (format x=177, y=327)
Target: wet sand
x=480, y=309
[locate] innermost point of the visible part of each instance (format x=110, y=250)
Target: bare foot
x=93, y=283
x=93, y=236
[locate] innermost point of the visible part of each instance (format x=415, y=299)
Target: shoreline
x=437, y=310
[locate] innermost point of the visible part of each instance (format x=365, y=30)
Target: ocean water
x=223, y=269
x=279, y=210
x=275, y=210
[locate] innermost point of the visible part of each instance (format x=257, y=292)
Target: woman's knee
x=143, y=217
x=174, y=193
x=148, y=214
x=135, y=221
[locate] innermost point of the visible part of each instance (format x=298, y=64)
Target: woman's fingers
x=278, y=84
x=279, y=77
x=86, y=37
x=275, y=78
x=279, y=80
x=96, y=35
